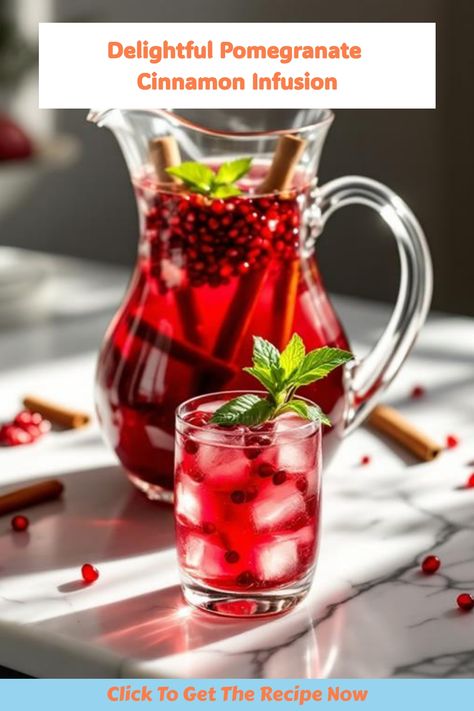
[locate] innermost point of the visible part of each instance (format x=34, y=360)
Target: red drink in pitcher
x=210, y=273
x=247, y=509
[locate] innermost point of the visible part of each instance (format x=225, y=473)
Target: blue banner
x=213, y=694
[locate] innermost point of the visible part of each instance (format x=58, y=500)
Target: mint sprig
x=200, y=178
x=281, y=374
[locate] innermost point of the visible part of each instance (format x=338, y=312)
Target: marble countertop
x=370, y=613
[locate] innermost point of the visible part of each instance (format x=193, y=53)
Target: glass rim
x=306, y=429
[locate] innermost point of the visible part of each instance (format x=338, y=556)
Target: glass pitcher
x=213, y=271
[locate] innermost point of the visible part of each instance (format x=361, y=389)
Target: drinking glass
x=247, y=503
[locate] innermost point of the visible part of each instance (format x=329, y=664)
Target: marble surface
x=371, y=613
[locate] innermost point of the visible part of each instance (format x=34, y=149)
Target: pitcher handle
x=368, y=377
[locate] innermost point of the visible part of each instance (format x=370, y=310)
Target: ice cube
x=225, y=468
x=281, y=508
x=203, y=556
x=276, y=559
x=297, y=450
x=188, y=504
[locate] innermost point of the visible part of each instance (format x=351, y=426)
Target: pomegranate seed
x=196, y=475
x=265, y=470
x=254, y=442
x=19, y=523
x=89, y=573
x=417, y=392
x=198, y=418
x=430, y=564
x=208, y=528
x=190, y=446
x=279, y=477
x=365, y=459
x=238, y=497
x=232, y=557
x=470, y=482
x=452, y=441
x=251, y=493
x=465, y=602
x=12, y=436
x=245, y=579
x=302, y=484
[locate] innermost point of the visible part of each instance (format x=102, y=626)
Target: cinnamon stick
x=284, y=302
x=186, y=352
x=190, y=317
x=164, y=153
x=30, y=495
x=66, y=417
x=285, y=161
x=391, y=423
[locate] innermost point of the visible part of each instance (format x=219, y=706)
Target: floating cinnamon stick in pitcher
x=57, y=414
x=164, y=153
x=391, y=423
x=239, y=314
x=285, y=161
x=30, y=495
x=284, y=302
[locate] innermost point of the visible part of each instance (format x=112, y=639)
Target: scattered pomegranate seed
x=365, y=459
x=13, y=436
x=89, y=573
x=465, y=602
x=452, y=441
x=20, y=523
x=430, y=564
x=470, y=482
x=417, y=392
x=208, y=528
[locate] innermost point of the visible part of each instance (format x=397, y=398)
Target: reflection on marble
x=370, y=613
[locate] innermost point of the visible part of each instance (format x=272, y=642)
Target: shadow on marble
x=99, y=514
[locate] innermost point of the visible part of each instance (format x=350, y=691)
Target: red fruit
x=245, y=579
x=365, y=459
x=430, y=564
x=232, y=557
x=20, y=523
x=452, y=441
x=279, y=477
x=190, y=446
x=198, y=418
x=265, y=470
x=11, y=436
x=14, y=143
x=302, y=484
x=27, y=419
x=465, y=602
x=417, y=392
x=89, y=573
x=238, y=496
x=470, y=482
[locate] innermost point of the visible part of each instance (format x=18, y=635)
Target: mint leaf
x=319, y=363
x=281, y=374
x=231, y=172
x=307, y=411
x=197, y=176
x=245, y=410
x=265, y=354
x=293, y=355
x=225, y=191
x=264, y=376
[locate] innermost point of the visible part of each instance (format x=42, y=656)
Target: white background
x=396, y=70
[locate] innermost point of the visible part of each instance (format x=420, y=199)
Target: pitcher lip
x=97, y=116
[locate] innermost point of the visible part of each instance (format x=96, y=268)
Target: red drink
x=247, y=509
x=210, y=274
